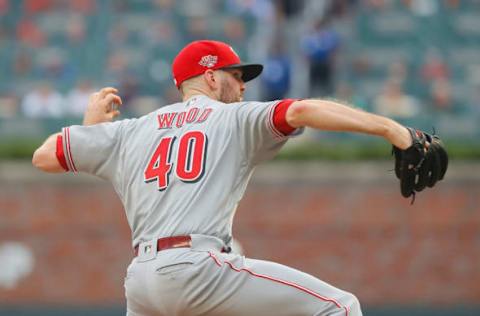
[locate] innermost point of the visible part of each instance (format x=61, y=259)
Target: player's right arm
x=334, y=116
x=55, y=156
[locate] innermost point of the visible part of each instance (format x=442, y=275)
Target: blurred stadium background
x=64, y=243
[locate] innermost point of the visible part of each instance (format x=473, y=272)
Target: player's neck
x=198, y=91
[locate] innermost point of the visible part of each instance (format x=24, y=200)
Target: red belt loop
x=170, y=242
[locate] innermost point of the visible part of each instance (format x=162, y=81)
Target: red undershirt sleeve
x=279, y=117
x=60, y=154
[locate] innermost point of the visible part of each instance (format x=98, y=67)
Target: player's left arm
x=420, y=158
x=102, y=107
x=334, y=116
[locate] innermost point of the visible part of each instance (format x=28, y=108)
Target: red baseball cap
x=198, y=56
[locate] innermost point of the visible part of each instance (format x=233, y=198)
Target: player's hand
x=102, y=106
x=422, y=164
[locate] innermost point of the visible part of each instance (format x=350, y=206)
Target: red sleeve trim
x=60, y=154
x=279, y=117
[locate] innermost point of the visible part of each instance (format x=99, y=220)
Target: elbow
x=297, y=113
x=37, y=159
x=42, y=160
x=45, y=157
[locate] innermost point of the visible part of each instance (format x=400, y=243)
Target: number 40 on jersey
x=190, y=163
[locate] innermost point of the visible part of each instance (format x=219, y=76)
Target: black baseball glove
x=420, y=165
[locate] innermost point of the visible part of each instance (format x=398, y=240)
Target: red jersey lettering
x=192, y=115
x=191, y=156
x=203, y=117
x=159, y=166
x=165, y=120
x=180, y=119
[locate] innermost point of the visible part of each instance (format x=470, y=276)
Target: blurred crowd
x=400, y=58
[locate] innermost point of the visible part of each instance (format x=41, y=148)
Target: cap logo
x=208, y=61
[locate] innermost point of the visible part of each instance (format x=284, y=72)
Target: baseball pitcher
x=181, y=171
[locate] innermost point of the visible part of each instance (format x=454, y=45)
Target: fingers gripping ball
x=422, y=164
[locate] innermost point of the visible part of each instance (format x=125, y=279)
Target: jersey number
x=190, y=164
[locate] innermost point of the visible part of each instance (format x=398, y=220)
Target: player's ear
x=212, y=79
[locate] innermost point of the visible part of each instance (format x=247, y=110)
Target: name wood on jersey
x=178, y=119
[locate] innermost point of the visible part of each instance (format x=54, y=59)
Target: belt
x=174, y=242
x=168, y=243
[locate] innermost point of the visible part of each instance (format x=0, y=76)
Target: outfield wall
x=64, y=241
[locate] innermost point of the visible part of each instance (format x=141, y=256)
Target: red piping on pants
x=294, y=285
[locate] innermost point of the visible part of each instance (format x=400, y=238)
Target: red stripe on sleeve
x=279, y=117
x=60, y=154
x=69, y=150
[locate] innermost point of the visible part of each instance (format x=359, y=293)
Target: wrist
x=399, y=136
x=89, y=120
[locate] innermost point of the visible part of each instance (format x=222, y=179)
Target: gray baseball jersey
x=182, y=170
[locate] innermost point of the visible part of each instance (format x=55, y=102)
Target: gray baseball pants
x=202, y=280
